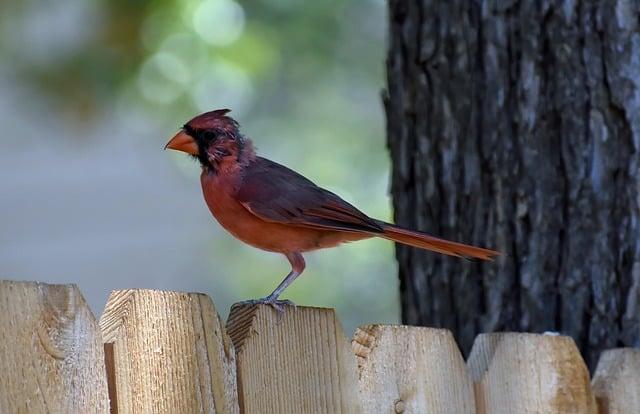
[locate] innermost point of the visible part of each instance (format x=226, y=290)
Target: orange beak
x=183, y=142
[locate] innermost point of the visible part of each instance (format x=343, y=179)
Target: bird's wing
x=275, y=193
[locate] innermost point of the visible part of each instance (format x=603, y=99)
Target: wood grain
x=296, y=362
x=411, y=369
x=51, y=357
x=529, y=373
x=616, y=383
x=168, y=352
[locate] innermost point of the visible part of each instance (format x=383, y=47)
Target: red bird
x=273, y=208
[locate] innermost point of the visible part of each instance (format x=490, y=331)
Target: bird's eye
x=209, y=136
x=222, y=152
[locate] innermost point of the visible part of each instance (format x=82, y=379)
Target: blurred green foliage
x=302, y=77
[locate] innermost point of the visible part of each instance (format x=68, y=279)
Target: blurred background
x=91, y=91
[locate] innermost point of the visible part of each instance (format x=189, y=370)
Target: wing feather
x=276, y=193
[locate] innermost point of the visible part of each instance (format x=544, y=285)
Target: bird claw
x=279, y=305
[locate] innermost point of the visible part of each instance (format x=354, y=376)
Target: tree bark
x=516, y=125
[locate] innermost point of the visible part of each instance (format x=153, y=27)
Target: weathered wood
x=51, y=357
x=516, y=125
x=411, y=369
x=167, y=352
x=616, y=383
x=529, y=373
x=296, y=362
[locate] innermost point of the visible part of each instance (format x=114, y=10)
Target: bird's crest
x=217, y=119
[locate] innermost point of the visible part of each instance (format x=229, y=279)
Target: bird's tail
x=424, y=241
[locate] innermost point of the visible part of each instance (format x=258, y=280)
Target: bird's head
x=211, y=137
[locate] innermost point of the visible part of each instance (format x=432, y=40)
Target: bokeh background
x=90, y=91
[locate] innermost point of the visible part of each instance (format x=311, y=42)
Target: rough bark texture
x=516, y=125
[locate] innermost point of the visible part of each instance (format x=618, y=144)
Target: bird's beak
x=183, y=142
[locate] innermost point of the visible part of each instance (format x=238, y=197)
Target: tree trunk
x=515, y=125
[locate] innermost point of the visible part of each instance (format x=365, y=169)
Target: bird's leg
x=297, y=267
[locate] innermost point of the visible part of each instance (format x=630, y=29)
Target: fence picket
x=616, y=383
x=529, y=373
x=296, y=362
x=51, y=357
x=411, y=369
x=168, y=352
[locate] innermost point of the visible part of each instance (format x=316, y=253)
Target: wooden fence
x=169, y=352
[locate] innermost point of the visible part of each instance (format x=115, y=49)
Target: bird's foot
x=279, y=305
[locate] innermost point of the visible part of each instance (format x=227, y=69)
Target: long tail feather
x=424, y=241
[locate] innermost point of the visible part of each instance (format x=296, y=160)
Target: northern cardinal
x=273, y=208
